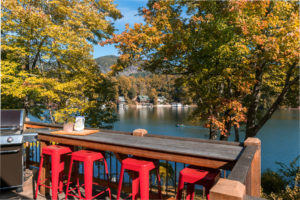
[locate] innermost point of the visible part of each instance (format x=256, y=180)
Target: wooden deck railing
x=242, y=182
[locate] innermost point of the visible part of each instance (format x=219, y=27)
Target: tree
x=132, y=93
x=46, y=56
x=153, y=96
x=124, y=86
x=233, y=55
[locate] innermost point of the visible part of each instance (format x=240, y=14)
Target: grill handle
x=10, y=151
x=9, y=128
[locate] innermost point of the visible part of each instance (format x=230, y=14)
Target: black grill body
x=11, y=149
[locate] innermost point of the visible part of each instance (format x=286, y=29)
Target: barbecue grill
x=11, y=149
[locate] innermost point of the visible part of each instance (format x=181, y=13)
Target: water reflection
x=280, y=136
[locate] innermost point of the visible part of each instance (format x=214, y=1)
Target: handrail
x=243, y=165
x=30, y=124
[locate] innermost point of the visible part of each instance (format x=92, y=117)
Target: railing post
x=226, y=189
x=139, y=132
x=253, y=181
x=45, y=174
x=27, y=152
x=120, y=157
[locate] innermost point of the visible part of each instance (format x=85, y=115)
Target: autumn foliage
x=240, y=59
x=46, y=58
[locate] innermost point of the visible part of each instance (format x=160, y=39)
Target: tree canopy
x=46, y=57
x=240, y=59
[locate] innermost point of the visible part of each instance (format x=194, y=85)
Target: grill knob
x=10, y=139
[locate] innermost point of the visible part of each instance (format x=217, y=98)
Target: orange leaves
x=209, y=17
x=124, y=57
x=196, y=19
x=156, y=6
x=231, y=112
x=258, y=39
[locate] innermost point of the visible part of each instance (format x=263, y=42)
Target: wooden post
x=45, y=173
x=27, y=149
x=226, y=189
x=253, y=181
x=139, y=132
x=120, y=157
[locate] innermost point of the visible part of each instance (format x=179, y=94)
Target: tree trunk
x=253, y=130
x=228, y=129
x=27, y=64
x=227, y=126
x=237, y=134
x=38, y=53
x=213, y=134
x=252, y=110
x=52, y=119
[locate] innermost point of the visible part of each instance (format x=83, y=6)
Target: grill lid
x=12, y=121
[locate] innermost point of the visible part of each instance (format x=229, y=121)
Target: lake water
x=280, y=136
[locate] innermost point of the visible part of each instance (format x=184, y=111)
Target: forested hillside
x=104, y=63
x=153, y=86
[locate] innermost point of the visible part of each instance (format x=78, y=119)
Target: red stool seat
x=55, y=149
x=142, y=167
x=88, y=158
x=57, y=167
x=196, y=175
x=137, y=164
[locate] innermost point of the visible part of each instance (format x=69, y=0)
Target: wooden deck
x=29, y=191
x=242, y=159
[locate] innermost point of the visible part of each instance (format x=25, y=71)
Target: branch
x=279, y=99
x=38, y=53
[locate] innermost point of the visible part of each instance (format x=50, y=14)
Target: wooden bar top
x=168, y=145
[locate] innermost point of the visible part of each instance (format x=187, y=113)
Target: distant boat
x=180, y=125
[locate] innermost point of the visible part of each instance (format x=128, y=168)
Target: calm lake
x=280, y=136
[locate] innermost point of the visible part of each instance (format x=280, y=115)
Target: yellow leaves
x=56, y=32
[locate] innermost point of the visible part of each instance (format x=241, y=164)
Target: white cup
x=79, y=123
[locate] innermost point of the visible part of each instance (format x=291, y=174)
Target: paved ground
x=27, y=189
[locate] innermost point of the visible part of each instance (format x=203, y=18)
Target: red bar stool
x=88, y=158
x=196, y=175
x=57, y=168
x=142, y=168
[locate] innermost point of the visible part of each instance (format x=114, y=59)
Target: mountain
x=104, y=63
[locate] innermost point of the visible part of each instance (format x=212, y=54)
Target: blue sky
x=129, y=10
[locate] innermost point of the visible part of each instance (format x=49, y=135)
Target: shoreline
x=183, y=106
x=159, y=106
